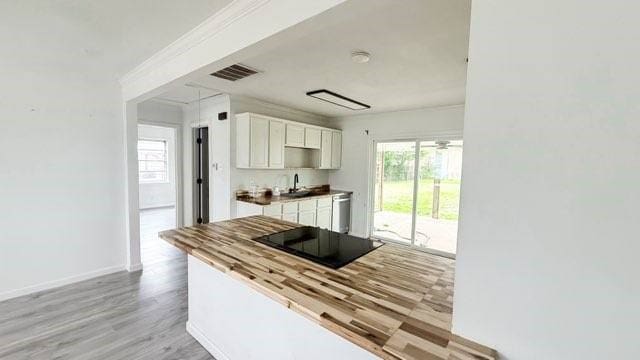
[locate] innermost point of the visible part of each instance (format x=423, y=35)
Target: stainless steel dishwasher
x=341, y=213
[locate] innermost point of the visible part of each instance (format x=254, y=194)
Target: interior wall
x=161, y=194
x=445, y=122
x=61, y=152
x=159, y=112
x=206, y=114
x=241, y=178
x=547, y=263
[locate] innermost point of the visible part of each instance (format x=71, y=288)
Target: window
x=152, y=161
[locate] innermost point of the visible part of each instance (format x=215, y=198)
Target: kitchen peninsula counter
x=395, y=302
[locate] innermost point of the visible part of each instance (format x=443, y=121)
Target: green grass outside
x=398, y=197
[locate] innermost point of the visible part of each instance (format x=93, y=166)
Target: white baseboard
x=134, y=267
x=206, y=343
x=60, y=282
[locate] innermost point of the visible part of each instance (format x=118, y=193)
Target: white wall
x=160, y=194
x=548, y=254
x=61, y=152
x=159, y=112
x=444, y=122
x=219, y=153
x=241, y=178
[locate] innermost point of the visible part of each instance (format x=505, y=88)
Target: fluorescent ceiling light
x=337, y=99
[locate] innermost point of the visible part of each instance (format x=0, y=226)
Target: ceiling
x=185, y=94
x=126, y=32
x=418, y=58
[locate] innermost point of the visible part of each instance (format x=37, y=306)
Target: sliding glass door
x=417, y=193
x=393, y=204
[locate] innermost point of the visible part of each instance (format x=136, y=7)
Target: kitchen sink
x=296, y=194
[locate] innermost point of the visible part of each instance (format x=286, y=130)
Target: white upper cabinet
x=312, y=138
x=325, y=150
x=336, y=150
x=295, y=135
x=276, y=144
x=261, y=141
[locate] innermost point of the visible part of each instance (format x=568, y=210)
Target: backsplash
x=282, y=178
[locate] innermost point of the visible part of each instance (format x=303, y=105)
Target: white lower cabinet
x=309, y=212
x=290, y=217
x=323, y=218
x=244, y=209
x=273, y=210
x=307, y=218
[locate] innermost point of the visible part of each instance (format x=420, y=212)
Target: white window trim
x=166, y=161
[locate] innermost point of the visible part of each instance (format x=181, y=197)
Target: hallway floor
x=152, y=248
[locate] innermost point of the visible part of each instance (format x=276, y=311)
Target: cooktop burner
x=328, y=248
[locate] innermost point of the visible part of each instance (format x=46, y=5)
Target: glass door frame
x=450, y=136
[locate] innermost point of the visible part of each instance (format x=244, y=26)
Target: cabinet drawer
x=308, y=205
x=290, y=207
x=274, y=209
x=325, y=202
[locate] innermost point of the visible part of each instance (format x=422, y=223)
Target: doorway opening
x=157, y=164
x=416, y=195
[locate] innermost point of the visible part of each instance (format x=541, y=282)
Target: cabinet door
x=336, y=150
x=307, y=218
x=325, y=150
x=325, y=202
x=247, y=209
x=323, y=218
x=276, y=144
x=290, y=207
x=259, y=144
x=290, y=217
x=295, y=135
x=307, y=205
x=312, y=138
x=243, y=139
x=272, y=210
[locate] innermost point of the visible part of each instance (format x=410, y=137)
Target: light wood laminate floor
x=120, y=316
x=152, y=248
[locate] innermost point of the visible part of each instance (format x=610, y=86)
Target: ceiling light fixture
x=337, y=99
x=360, y=57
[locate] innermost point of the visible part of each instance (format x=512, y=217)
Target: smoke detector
x=360, y=57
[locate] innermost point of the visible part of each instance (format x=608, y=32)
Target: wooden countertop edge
x=459, y=343
x=459, y=347
x=318, y=319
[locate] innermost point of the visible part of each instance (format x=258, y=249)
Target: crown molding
x=231, y=13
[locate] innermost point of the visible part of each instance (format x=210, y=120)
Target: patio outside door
x=417, y=193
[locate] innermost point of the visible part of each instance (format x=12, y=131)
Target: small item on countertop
x=276, y=191
x=253, y=189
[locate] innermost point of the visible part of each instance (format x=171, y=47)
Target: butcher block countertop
x=268, y=200
x=395, y=302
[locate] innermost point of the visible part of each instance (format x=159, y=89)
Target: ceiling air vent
x=235, y=72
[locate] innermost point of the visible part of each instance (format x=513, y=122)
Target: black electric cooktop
x=328, y=248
